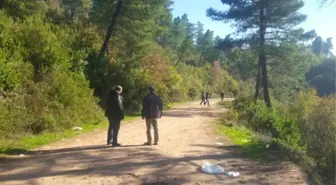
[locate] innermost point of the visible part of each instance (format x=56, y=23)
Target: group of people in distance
x=152, y=107
x=205, y=98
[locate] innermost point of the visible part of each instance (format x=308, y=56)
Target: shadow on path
x=191, y=112
x=100, y=161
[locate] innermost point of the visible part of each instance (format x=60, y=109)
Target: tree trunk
x=200, y=59
x=256, y=96
x=179, y=59
x=107, y=50
x=72, y=13
x=173, y=50
x=2, y=3
x=110, y=29
x=262, y=55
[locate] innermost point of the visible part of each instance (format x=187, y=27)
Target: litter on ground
x=212, y=168
x=77, y=128
x=232, y=174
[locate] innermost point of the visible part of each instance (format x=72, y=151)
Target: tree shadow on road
x=18, y=151
x=102, y=161
x=191, y=112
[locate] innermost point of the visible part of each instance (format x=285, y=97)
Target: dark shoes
x=148, y=143
x=116, y=144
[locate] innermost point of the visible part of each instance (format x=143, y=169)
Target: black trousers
x=203, y=101
x=113, y=131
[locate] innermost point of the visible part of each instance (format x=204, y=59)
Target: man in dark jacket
x=207, y=98
x=152, y=111
x=222, y=95
x=202, y=98
x=114, y=113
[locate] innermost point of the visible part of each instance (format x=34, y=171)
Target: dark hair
x=151, y=89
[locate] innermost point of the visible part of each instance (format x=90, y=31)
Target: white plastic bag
x=212, y=168
x=77, y=128
x=232, y=174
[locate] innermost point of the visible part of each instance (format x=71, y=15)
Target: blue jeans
x=113, y=131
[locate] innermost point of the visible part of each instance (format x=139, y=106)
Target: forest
x=60, y=58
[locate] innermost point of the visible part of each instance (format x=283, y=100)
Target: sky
x=322, y=19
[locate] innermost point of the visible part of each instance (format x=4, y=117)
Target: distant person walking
x=203, y=99
x=115, y=113
x=222, y=95
x=207, y=98
x=152, y=111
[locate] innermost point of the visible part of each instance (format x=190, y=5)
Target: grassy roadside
x=259, y=147
x=247, y=143
x=32, y=141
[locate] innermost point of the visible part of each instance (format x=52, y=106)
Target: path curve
x=187, y=140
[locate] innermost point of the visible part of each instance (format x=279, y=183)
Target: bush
x=59, y=102
x=307, y=124
x=319, y=135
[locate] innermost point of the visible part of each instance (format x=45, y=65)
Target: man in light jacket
x=152, y=111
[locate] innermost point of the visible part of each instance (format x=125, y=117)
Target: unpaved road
x=187, y=139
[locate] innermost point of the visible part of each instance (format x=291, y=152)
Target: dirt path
x=187, y=139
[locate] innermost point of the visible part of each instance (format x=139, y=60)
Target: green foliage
x=42, y=83
x=287, y=69
x=260, y=24
x=307, y=124
x=322, y=77
x=320, y=47
x=247, y=142
x=51, y=74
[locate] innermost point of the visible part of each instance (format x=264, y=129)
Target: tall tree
x=328, y=46
x=260, y=23
x=111, y=28
x=321, y=47
x=132, y=27
x=317, y=45
x=205, y=44
x=178, y=33
x=199, y=33
x=322, y=77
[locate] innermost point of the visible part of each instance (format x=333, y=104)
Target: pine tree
x=131, y=29
x=205, y=45
x=321, y=47
x=328, y=46
x=260, y=23
x=317, y=46
x=199, y=34
x=130, y=22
